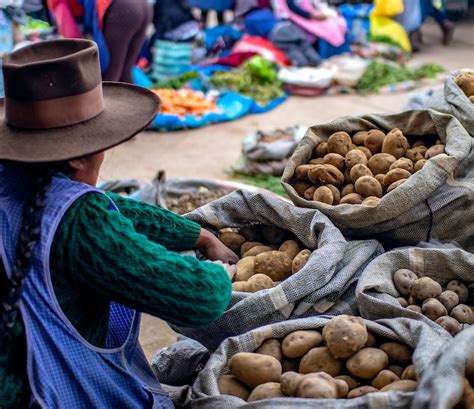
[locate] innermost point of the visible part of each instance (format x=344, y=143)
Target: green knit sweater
x=99, y=255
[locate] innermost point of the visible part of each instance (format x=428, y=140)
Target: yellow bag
x=388, y=8
x=386, y=27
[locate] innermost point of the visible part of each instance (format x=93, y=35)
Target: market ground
x=208, y=151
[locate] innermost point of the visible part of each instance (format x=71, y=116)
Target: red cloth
x=234, y=59
x=76, y=8
x=261, y=46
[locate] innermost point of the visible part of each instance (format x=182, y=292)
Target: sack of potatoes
x=387, y=177
x=294, y=263
x=449, y=381
x=311, y=362
x=432, y=284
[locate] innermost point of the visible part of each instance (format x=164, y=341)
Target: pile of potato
x=268, y=257
x=446, y=306
x=362, y=168
x=465, y=81
x=342, y=361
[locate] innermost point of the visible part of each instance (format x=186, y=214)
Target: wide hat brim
x=128, y=110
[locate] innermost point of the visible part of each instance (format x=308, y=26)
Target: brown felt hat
x=56, y=106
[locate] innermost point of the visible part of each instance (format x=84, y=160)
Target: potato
x=301, y=171
x=352, y=198
x=384, y=378
x=321, y=385
x=335, y=193
x=361, y=391
x=290, y=365
x=273, y=234
x=409, y=373
x=365, y=151
x=419, y=164
x=345, y=335
x=323, y=195
x=394, y=185
x=435, y=150
x=358, y=171
x=317, y=161
x=465, y=81
x=274, y=264
x=355, y=157
x=371, y=201
x=395, y=143
x=245, y=269
x=471, y=100
x=400, y=386
x=402, y=163
x=367, y=363
x=298, y=343
x=371, y=341
x=402, y=279
x=290, y=247
x=321, y=149
x=416, y=153
x=374, y=140
x=336, y=160
x=460, y=289
x=449, y=299
x=463, y=314
x=368, y=186
x=254, y=369
x=351, y=382
x=380, y=178
x=309, y=193
x=397, y=370
x=300, y=260
x=241, y=286
x=380, y=163
x=271, y=347
x=423, y=288
x=415, y=308
x=301, y=186
x=358, y=137
x=328, y=174
x=319, y=359
x=394, y=175
x=347, y=177
x=451, y=325
x=260, y=282
x=402, y=301
x=433, y=309
x=347, y=190
x=229, y=385
x=339, y=142
x=266, y=391
x=232, y=240
x=397, y=352
x=255, y=251
x=289, y=382
x=249, y=245
x=419, y=143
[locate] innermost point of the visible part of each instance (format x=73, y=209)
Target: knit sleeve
x=102, y=251
x=159, y=225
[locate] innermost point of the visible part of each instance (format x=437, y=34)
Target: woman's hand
x=318, y=16
x=211, y=247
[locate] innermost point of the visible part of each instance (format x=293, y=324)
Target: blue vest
x=64, y=370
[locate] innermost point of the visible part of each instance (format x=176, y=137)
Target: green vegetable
x=261, y=68
x=268, y=182
x=379, y=74
x=176, y=82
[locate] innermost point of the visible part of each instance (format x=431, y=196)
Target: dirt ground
x=208, y=151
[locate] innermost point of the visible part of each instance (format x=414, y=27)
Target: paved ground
x=207, y=151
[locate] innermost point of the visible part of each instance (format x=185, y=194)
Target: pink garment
x=66, y=22
x=332, y=29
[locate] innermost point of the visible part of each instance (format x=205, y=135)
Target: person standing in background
x=117, y=26
x=436, y=9
x=219, y=6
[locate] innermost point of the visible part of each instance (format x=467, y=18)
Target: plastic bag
x=388, y=8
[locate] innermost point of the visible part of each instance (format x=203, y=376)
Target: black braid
x=28, y=237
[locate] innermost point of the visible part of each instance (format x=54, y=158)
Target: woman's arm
x=106, y=254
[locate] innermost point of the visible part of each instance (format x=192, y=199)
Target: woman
x=220, y=6
x=117, y=26
x=75, y=263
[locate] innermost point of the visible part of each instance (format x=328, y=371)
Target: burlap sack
x=442, y=384
x=376, y=294
x=205, y=391
x=452, y=100
x=432, y=204
x=329, y=275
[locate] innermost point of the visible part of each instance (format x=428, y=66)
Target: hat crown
x=51, y=69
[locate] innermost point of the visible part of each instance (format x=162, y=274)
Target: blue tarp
x=232, y=105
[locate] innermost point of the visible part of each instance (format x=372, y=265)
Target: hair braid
x=30, y=231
